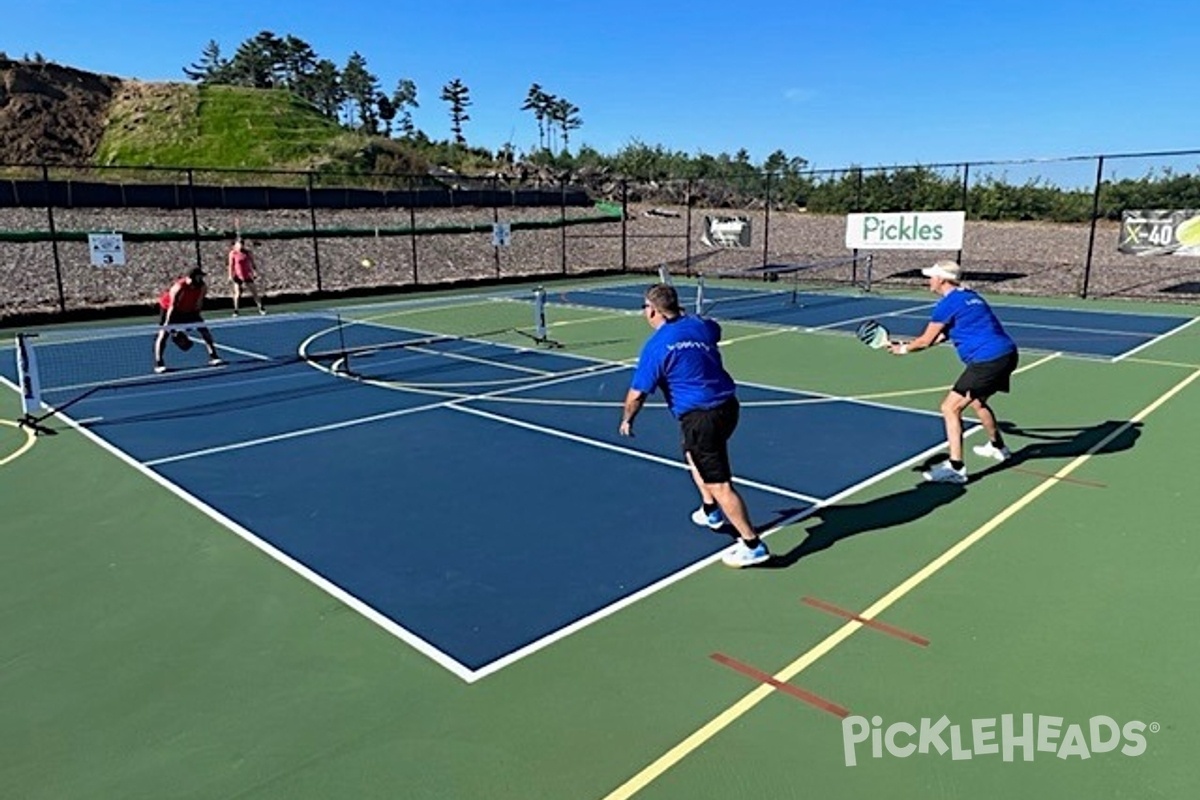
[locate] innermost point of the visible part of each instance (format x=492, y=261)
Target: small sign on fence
x=107, y=249
x=501, y=234
x=1160, y=233
x=924, y=230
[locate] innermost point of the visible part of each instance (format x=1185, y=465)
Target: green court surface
x=149, y=652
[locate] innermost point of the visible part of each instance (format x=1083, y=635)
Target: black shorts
x=983, y=379
x=180, y=317
x=706, y=434
x=243, y=281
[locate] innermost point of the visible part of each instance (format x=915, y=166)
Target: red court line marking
x=799, y=694
x=870, y=623
x=1080, y=481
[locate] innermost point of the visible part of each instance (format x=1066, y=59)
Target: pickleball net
x=56, y=369
x=760, y=292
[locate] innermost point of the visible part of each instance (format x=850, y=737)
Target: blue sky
x=837, y=83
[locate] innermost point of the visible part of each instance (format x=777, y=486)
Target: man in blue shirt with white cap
x=990, y=355
x=682, y=359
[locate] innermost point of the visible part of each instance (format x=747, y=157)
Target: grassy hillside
x=177, y=124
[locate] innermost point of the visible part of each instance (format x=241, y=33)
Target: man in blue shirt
x=990, y=355
x=682, y=359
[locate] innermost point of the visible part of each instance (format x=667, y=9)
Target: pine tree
x=211, y=68
x=458, y=96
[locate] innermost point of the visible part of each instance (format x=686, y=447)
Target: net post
x=344, y=357
x=664, y=275
x=30, y=384
x=870, y=266
x=539, y=313
x=28, y=377
x=699, y=295
x=541, y=330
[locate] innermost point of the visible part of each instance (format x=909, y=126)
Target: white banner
x=726, y=232
x=107, y=249
x=906, y=230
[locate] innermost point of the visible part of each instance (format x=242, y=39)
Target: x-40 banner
x=1156, y=232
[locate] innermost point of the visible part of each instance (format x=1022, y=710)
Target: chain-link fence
x=1047, y=227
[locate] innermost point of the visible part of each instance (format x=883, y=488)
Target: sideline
x=730, y=715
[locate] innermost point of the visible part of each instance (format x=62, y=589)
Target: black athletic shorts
x=983, y=379
x=180, y=318
x=706, y=434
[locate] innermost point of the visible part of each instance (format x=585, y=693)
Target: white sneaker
x=215, y=361
x=740, y=555
x=715, y=520
x=944, y=473
x=989, y=450
x=160, y=368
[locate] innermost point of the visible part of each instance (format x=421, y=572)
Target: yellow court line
x=30, y=440
x=680, y=751
x=907, y=392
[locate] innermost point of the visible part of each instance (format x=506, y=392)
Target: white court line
x=598, y=370
x=679, y=575
x=1157, y=339
x=456, y=405
x=717, y=724
x=897, y=313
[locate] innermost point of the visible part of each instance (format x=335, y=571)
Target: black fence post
x=766, y=219
x=687, y=234
x=624, y=225
x=562, y=218
x=965, y=183
x=195, y=219
x=1087, y=264
x=62, y=297
x=412, y=226
x=495, y=221
x=312, y=219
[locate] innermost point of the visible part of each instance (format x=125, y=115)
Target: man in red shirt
x=180, y=305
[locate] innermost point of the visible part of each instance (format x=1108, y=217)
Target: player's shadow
x=840, y=521
x=837, y=522
x=1104, y=438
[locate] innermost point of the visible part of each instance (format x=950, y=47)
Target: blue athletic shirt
x=682, y=359
x=972, y=326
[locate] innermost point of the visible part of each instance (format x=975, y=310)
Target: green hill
x=176, y=124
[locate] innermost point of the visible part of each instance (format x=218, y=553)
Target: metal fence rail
x=1044, y=226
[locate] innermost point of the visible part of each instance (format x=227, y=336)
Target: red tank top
x=242, y=264
x=186, y=299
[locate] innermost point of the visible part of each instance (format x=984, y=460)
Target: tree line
x=353, y=96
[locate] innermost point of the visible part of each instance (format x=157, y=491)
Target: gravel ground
x=1023, y=258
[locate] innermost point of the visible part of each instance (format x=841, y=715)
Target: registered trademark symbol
x=1155, y=727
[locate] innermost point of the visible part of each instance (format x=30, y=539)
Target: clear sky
x=842, y=82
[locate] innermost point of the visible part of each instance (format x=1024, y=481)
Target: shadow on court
x=844, y=520
x=1065, y=442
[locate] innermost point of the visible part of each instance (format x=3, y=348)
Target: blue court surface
x=477, y=502
x=1105, y=334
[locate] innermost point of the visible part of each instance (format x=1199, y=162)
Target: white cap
x=946, y=270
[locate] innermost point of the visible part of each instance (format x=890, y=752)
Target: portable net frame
x=56, y=369
x=730, y=293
